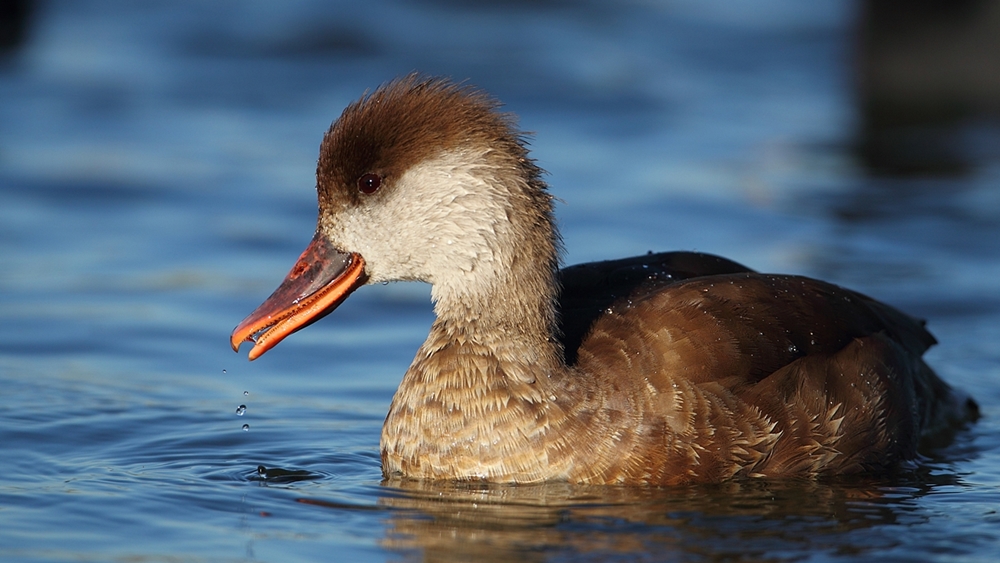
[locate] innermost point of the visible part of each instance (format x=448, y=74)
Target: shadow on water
x=15, y=16
x=926, y=70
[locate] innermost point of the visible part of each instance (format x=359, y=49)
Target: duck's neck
x=515, y=320
x=480, y=388
x=505, y=300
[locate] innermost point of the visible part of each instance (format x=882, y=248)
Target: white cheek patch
x=442, y=222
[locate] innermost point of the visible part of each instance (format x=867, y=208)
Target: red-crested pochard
x=659, y=369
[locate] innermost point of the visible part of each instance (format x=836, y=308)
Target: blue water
x=156, y=183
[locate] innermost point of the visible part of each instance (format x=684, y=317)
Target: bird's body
x=660, y=369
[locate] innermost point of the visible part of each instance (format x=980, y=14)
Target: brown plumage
x=658, y=369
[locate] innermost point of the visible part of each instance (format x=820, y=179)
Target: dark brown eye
x=369, y=183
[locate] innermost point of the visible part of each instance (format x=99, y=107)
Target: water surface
x=156, y=180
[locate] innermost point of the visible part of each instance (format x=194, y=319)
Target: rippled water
x=156, y=164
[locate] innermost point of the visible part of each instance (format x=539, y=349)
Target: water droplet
x=240, y=410
x=793, y=349
x=223, y=371
x=245, y=393
x=385, y=283
x=246, y=427
x=262, y=471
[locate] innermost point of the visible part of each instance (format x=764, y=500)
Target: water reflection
x=732, y=520
x=747, y=520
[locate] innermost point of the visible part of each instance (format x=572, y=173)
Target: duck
x=663, y=369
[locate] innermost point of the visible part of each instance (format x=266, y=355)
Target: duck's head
x=420, y=180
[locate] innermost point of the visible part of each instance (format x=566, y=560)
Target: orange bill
x=321, y=279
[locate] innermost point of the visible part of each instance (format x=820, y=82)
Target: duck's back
x=759, y=374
